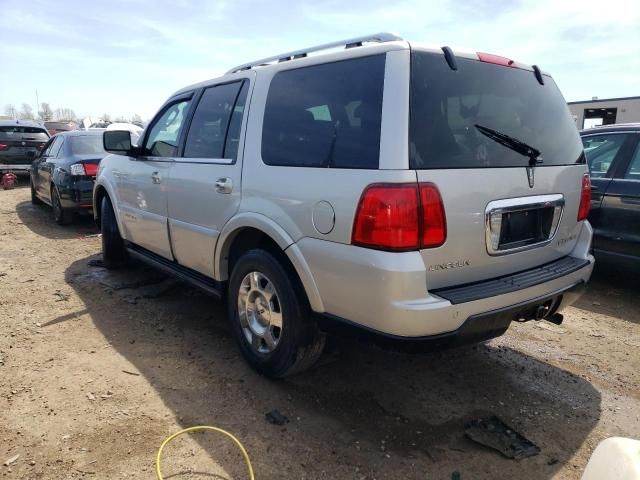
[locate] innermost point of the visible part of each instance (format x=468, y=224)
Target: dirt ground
x=96, y=369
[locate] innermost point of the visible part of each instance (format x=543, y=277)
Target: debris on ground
x=11, y=460
x=62, y=297
x=275, y=417
x=494, y=433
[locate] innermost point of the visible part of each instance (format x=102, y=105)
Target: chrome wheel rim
x=260, y=312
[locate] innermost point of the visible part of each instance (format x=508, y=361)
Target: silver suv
x=415, y=193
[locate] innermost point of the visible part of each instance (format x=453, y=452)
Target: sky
x=125, y=57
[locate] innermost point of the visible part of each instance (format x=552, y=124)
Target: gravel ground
x=96, y=369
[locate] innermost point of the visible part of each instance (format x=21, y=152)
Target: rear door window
x=325, y=115
x=57, y=148
x=448, y=107
x=601, y=150
x=212, y=120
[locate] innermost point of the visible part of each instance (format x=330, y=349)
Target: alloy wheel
x=260, y=312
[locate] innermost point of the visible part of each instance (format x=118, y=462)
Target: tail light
x=434, y=225
x=4, y=146
x=84, y=169
x=400, y=217
x=91, y=169
x=585, y=198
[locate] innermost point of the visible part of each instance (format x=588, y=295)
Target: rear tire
x=114, y=253
x=60, y=215
x=34, y=196
x=270, y=317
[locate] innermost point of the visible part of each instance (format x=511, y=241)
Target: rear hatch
x=504, y=152
x=19, y=144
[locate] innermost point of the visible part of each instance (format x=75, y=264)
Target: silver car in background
x=418, y=194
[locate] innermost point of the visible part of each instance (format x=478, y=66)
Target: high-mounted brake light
x=496, y=59
x=400, y=217
x=585, y=198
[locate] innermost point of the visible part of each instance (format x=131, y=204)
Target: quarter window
x=600, y=151
x=634, y=167
x=325, y=115
x=208, y=131
x=55, y=150
x=164, y=136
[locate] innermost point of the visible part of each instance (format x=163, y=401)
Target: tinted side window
x=633, y=173
x=325, y=115
x=208, y=130
x=165, y=133
x=601, y=150
x=57, y=148
x=46, y=151
x=233, y=134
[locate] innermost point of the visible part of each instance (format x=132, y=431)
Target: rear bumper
x=76, y=194
x=22, y=168
x=477, y=328
x=386, y=292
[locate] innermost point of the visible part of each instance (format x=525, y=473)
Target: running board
x=196, y=279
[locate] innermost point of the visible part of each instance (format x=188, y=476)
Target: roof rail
x=349, y=43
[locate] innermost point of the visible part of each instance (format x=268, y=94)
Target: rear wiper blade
x=518, y=146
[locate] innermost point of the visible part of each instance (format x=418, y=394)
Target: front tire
x=270, y=317
x=60, y=215
x=114, y=253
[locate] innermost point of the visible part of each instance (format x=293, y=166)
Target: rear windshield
x=58, y=126
x=87, y=145
x=448, y=106
x=18, y=132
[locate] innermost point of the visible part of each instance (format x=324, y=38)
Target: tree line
x=46, y=113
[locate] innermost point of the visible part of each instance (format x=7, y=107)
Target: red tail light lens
x=434, y=225
x=90, y=169
x=387, y=218
x=585, y=198
x=400, y=217
x=4, y=146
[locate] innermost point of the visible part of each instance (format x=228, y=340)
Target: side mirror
x=119, y=142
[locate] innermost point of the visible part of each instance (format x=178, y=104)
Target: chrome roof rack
x=349, y=43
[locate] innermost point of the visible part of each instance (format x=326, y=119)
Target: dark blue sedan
x=613, y=155
x=62, y=176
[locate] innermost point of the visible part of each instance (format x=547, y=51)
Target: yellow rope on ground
x=193, y=429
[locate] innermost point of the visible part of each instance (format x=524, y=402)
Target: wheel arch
x=251, y=230
x=100, y=191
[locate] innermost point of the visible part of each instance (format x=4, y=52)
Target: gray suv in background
x=416, y=193
x=20, y=143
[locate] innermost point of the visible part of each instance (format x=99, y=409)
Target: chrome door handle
x=224, y=185
x=156, y=178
